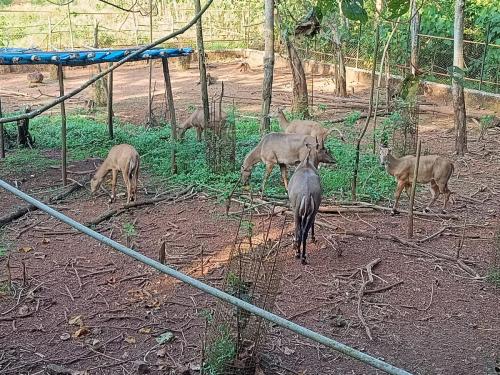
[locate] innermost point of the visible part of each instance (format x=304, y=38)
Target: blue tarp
x=17, y=56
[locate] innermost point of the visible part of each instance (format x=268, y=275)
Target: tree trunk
x=370, y=104
x=457, y=80
x=300, y=103
x=202, y=67
x=340, y=79
x=23, y=131
x=414, y=30
x=267, y=83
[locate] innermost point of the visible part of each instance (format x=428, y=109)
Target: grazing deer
x=122, y=158
x=433, y=169
x=306, y=127
x=282, y=149
x=304, y=192
x=196, y=120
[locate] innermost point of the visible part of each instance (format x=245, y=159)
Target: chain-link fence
x=435, y=54
x=237, y=28
x=222, y=28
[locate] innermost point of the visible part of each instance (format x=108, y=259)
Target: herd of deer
x=301, y=144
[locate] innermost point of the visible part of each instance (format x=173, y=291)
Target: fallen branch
x=383, y=289
x=417, y=213
x=24, y=210
x=118, y=211
x=361, y=292
x=390, y=237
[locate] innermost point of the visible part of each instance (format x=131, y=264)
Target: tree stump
x=23, y=134
x=184, y=62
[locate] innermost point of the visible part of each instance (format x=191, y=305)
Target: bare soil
x=438, y=319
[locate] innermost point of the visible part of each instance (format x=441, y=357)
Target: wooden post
x=171, y=110
x=412, y=194
x=110, y=103
x=63, y=124
x=150, y=99
x=2, y=141
x=202, y=67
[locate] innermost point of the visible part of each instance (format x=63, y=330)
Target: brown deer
x=433, y=169
x=306, y=127
x=304, y=192
x=282, y=149
x=122, y=158
x=196, y=120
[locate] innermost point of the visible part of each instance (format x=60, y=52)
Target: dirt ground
x=427, y=314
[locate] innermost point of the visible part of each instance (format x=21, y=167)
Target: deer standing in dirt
x=433, y=169
x=196, y=120
x=306, y=127
x=282, y=149
x=122, y=158
x=304, y=192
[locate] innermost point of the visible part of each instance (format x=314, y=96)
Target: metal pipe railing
x=372, y=361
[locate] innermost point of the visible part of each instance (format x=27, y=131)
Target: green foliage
x=396, y=8
x=129, y=230
x=220, y=353
x=493, y=276
x=25, y=159
x=354, y=10
x=5, y=3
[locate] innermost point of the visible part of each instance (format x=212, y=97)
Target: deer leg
x=397, y=194
x=444, y=189
x=269, y=168
x=198, y=134
x=434, y=188
x=304, y=241
x=284, y=175
x=114, y=175
x=181, y=134
x=296, y=239
x=126, y=179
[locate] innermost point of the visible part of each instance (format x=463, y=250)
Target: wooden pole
x=171, y=110
x=110, y=103
x=150, y=100
x=2, y=141
x=412, y=194
x=63, y=124
x=202, y=67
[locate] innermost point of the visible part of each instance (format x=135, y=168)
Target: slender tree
x=267, y=83
x=457, y=80
x=414, y=30
x=202, y=66
x=341, y=78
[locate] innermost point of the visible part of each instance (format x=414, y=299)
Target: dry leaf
x=130, y=339
x=45, y=241
x=38, y=255
x=288, y=351
x=65, y=336
x=165, y=337
x=25, y=249
x=75, y=321
x=81, y=331
x=162, y=352
x=145, y=330
x=23, y=310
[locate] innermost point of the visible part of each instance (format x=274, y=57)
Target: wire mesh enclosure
x=405, y=134
x=220, y=140
x=235, y=337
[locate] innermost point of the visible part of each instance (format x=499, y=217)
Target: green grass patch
x=89, y=138
x=493, y=276
x=26, y=160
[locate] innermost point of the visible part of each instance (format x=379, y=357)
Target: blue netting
x=24, y=56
